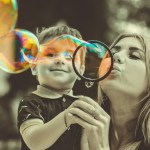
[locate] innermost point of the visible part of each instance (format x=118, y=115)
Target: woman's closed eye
x=135, y=55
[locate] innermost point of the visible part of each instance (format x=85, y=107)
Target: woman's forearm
x=84, y=141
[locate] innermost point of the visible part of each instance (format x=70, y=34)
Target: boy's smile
x=58, y=70
x=56, y=73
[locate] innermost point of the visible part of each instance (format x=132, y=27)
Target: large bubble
x=8, y=15
x=18, y=48
x=63, y=46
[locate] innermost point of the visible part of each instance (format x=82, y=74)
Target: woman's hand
x=94, y=120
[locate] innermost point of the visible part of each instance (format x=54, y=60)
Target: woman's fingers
x=101, y=116
x=89, y=101
x=84, y=106
x=100, y=121
x=87, y=105
x=77, y=120
x=82, y=115
x=87, y=111
x=93, y=103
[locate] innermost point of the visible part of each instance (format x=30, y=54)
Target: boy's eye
x=49, y=55
x=69, y=58
x=67, y=55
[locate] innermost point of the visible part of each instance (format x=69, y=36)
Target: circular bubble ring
x=90, y=79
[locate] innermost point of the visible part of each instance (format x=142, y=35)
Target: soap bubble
x=8, y=15
x=18, y=48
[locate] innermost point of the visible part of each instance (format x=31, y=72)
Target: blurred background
x=99, y=20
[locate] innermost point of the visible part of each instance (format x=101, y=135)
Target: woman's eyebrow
x=136, y=48
x=117, y=47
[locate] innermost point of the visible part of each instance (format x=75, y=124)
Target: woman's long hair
x=142, y=131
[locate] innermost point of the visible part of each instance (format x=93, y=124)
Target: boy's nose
x=59, y=61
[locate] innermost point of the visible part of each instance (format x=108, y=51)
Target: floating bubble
x=18, y=48
x=8, y=15
x=63, y=46
x=98, y=61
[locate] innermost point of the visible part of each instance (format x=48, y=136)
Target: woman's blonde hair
x=142, y=132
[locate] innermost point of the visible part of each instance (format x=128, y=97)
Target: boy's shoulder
x=31, y=97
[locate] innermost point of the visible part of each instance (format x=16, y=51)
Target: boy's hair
x=47, y=34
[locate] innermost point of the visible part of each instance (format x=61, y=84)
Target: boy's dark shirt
x=34, y=106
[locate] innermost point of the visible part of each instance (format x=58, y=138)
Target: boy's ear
x=81, y=71
x=33, y=69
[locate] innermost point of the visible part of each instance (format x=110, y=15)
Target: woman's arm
x=93, y=119
x=84, y=141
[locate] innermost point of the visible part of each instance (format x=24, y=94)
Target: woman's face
x=129, y=75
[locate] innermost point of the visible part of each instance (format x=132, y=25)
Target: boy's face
x=54, y=65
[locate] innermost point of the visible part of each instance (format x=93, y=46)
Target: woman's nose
x=119, y=58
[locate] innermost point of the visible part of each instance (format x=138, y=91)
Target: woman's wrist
x=66, y=122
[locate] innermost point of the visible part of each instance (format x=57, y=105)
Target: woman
x=125, y=93
x=125, y=96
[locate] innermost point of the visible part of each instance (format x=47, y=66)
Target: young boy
x=41, y=114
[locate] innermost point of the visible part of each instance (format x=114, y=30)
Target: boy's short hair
x=47, y=34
